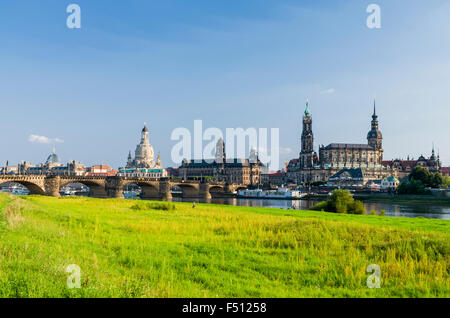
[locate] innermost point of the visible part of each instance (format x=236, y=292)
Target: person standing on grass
x=193, y=204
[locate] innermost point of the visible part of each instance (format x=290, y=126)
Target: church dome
x=374, y=134
x=145, y=129
x=52, y=159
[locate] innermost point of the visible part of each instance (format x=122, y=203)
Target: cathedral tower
x=220, y=152
x=307, y=152
x=374, y=137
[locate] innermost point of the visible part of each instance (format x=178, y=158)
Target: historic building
x=238, y=171
x=348, y=178
x=102, y=170
x=52, y=166
x=310, y=167
x=143, y=164
x=402, y=168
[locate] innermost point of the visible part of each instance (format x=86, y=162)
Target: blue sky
x=230, y=63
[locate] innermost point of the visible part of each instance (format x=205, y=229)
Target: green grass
x=141, y=249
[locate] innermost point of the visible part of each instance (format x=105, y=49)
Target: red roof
x=402, y=163
x=445, y=171
x=102, y=174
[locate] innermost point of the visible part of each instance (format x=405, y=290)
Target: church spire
x=433, y=153
x=307, y=112
x=374, y=137
x=158, y=161
x=374, y=116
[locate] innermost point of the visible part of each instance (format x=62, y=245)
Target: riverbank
x=388, y=197
x=130, y=248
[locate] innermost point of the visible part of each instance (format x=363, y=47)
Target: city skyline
x=317, y=146
x=230, y=64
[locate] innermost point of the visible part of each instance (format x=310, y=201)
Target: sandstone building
x=143, y=164
x=310, y=167
x=402, y=168
x=223, y=169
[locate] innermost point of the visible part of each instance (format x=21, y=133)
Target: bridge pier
x=203, y=191
x=51, y=185
x=164, y=191
x=114, y=187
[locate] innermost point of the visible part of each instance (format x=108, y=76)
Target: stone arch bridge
x=112, y=187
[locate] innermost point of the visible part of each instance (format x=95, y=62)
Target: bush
x=166, y=206
x=341, y=201
x=357, y=208
x=427, y=178
x=373, y=212
x=412, y=186
x=382, y=212
x=321, y=206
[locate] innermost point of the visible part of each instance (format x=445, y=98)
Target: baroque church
x=310, y=167
x=143, y=164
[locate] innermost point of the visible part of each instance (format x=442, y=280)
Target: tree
x=427, y=178
x=423, y=175
x=438, y=181
x=446, y=181
x=411, y=187
x=341, y=201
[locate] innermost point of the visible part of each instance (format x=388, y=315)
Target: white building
x=389, y=183
x=143, y=164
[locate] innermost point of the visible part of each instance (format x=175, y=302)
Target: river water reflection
x=431, y=210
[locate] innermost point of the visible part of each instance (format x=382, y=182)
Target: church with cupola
x=310, y=167
x=143, y=164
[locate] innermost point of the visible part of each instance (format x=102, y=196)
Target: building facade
x=223, y=169
x=102, y=170
x=143, y=164
x=310, y=167
x=402, y=168
x=52, y=166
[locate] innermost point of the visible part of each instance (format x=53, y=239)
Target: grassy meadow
x=128, y=248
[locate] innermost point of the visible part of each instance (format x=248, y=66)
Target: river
x=426, y=209
x=412, y=209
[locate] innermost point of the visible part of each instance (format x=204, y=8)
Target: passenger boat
x=281, y=193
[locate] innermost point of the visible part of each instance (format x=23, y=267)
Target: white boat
x=19, y=191
x=281, y=193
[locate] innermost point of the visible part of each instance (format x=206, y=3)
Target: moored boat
x=281, y=193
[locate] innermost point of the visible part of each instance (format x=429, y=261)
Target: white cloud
x=285, y=151
x=43, y=140
x=328, y=91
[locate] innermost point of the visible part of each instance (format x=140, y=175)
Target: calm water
x=431, y=210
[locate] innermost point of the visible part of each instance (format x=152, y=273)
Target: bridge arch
x=189, y=190
x=96, y=187
x=32, y=187
x=77, y=189
x=149, y=190
x=217, y=190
